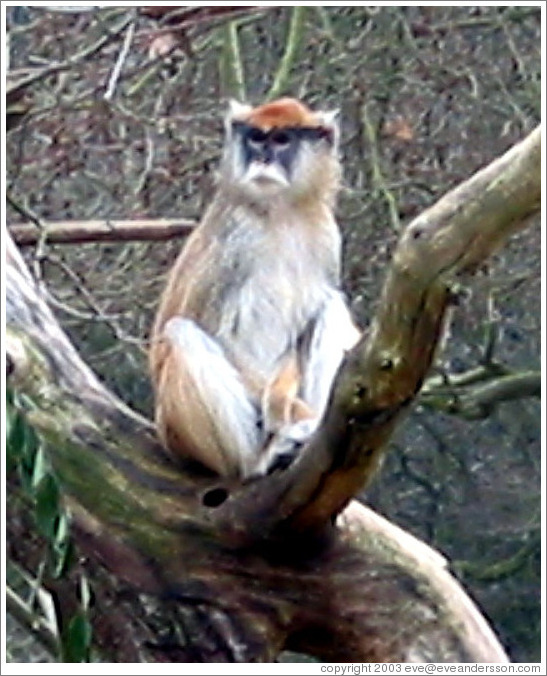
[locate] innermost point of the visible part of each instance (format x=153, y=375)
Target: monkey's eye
x=280, y=139
x=326, y=134
x=256, y=137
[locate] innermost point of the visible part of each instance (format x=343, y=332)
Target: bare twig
x=16, y=80
x=231, y=67
x=475, y=402
x=208, y=17
x=116, y=71
x=148, y=163
x=22, y=612
x=377, y=175
x=505, y=568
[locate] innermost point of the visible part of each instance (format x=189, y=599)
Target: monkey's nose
x=266, y=156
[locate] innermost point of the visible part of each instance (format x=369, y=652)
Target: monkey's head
x=281, y=148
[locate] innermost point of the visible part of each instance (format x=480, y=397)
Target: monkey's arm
x=303, y=384
x=331, y=334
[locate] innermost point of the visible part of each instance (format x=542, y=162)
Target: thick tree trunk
x=236, y=573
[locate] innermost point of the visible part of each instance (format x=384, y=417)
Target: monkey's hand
x=283, y=446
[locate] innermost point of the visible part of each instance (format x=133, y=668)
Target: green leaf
x=62, y=558
x=85, y=592
x=15, y=438
x=31, y=443
x=62, y=550
x=15, y=435
x=62, y=529
x=10, y=413
x=47, y=506
x=77, y=639
x=28, y=449
x=39, y=469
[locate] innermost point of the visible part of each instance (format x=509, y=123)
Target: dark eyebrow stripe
x=303, y=132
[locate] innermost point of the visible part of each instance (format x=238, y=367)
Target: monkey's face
x=281, y=148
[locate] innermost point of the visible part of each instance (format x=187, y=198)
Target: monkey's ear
x=237, y=110
x=330, y=120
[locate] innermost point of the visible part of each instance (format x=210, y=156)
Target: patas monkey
x=252, y=326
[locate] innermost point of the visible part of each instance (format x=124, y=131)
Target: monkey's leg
x=203, y=409
x=330, y=336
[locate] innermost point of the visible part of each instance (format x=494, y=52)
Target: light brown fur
x=239, y=312
x=284, y=112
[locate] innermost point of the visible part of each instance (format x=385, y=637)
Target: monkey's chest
x=272, y=309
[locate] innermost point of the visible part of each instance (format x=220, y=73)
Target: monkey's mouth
x=266, y=174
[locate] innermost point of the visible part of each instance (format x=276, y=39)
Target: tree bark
x=237, y=572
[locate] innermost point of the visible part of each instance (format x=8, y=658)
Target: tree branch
x=378, y=180
x=259, y=562
x=477, y=400
x=80, y=232
x=383, y=374
x=231, y=65
x=29, y=619
x=19, y=81
x=376, y=592
x=294, y=40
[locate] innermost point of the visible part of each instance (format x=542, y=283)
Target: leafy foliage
x=26, y=458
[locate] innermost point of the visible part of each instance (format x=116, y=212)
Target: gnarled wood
x=384, y=372
x=363, y=591
x=246, y=570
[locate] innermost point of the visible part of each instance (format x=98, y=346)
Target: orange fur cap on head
x=285, y=112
